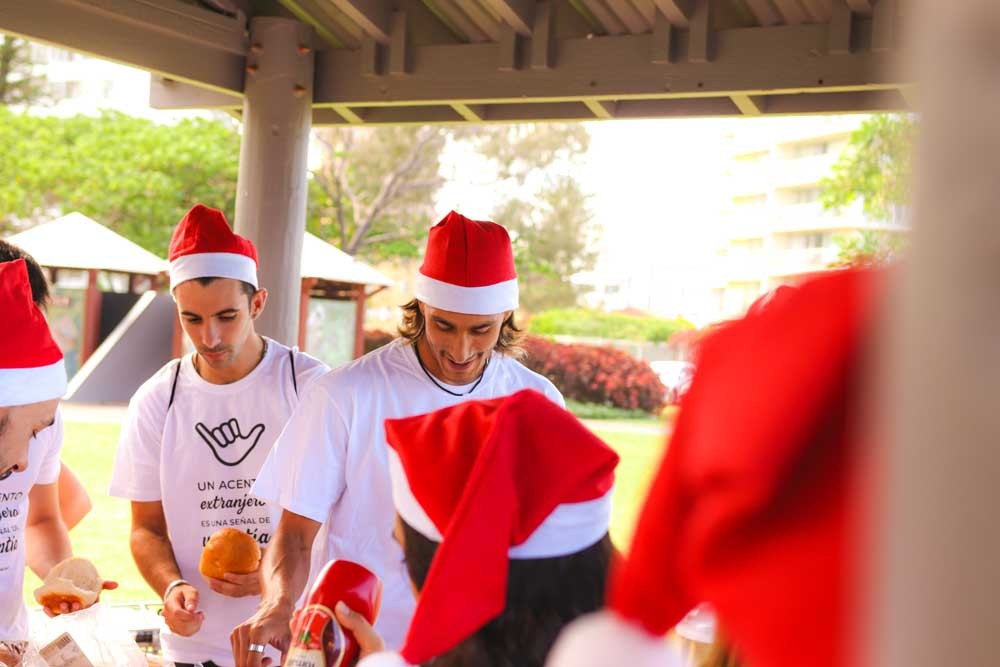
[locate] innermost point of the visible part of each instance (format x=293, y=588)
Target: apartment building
x=774, y=229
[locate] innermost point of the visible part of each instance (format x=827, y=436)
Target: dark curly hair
x=36, y=277
x=543, y=595
x=508, y=343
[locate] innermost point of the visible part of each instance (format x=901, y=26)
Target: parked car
x=675, y=376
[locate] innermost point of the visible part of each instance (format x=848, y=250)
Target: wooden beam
x=370, y=57
x=170, y=38
x=841, y=29
x=602, y=110
x=627, y=14
x=678, y=12
x=884, y=26
x=700, y=49
x=344, y=112
x=398, y=45
x=750, y=105
x=507, y=50
x=772, y=60
x=764, y=12
x=169, y=94
x=605, y=17
x=792, y=12
x=863, y=7
x=371, y=15
x=473, y=113
x=453, y=14
x=661, y=48
x=818, y=10
x=519, y=14
x=359, y=321
x=541, y=40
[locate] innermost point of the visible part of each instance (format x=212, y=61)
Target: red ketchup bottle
x=318, y=640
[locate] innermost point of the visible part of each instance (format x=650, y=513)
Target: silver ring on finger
x=256, y=648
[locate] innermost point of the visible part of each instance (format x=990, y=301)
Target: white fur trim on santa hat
x=488, y=300
x=384, y=659
x=571, y=527
x=213, y=265
x=605, y=639
x=23, y=386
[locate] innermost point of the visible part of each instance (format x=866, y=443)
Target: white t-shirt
x=199, y=458
x=43, y=468
x=331, y=462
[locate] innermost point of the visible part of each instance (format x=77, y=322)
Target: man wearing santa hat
x=758, y=506
x=330, y=468
x=197, y=433
x=32, y=380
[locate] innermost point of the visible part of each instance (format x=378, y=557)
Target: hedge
x=613, y=326
x=592, y=374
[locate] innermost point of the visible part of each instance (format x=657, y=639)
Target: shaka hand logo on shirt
x=228, y=443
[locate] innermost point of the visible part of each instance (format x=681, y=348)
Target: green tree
x=874, y=168
x=545, y=209
x=553, y=235
x=131, y=174
x=18, y=82
x=373, y=193
x=867, y=248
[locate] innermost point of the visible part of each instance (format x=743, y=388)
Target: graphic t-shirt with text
x=43, y=468
x=199, y=457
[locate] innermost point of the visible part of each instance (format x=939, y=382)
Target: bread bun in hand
x=229, y=550
x=75, y=580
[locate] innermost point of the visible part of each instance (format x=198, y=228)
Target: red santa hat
x=468, y=268
x=31, y=364
x=755, y=508
x=204, y=246
x=514, y=477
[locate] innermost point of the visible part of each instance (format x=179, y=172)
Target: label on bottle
x=318, y=640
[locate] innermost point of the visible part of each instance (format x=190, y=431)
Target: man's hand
x=180, y=610
x=67, y=608
x=270, y=625
x=368, y=640
x=236, y=585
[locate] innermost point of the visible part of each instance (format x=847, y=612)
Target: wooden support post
x=359, y=321
x=507, y=49
x=937, y=540
x=272, y=185
x=91, y=317
x=307, y=286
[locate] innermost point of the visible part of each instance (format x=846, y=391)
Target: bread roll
x=229, y=550
x=73, y=580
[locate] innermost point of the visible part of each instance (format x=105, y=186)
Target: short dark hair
x=543, y=595
x=36, y=277
x=414, y=325
x=248, y=289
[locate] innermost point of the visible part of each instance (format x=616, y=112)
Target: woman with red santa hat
x=502, y=512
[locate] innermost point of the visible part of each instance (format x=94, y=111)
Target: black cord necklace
x=438, y=384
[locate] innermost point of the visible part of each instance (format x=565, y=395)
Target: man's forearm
x=46, y=544
x=154, y=556
x=285, y=568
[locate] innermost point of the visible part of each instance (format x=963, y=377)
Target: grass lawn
x=103, y=535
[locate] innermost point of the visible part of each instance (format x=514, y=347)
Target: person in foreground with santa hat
x=330, y=468
x=197, y=433
x=32, y=380
x=758, y=506
x=502, y=510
